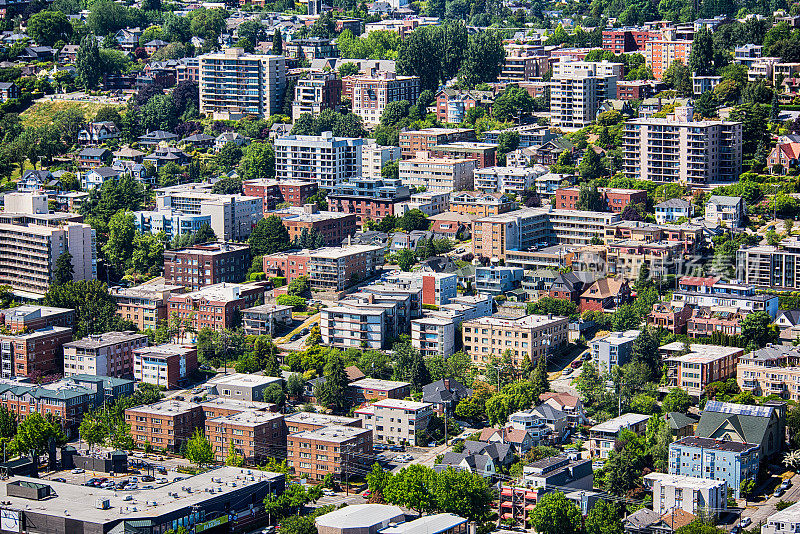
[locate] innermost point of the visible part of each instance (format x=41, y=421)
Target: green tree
x=591, y=166
x=555, y=514
x=512, y=103
x=413, y=487
x=8, y=423
x=604, y=518
x=757, y=328
x=405, y=259
x=539, y=378
x=119, y=246
x=94, y=307
x=746, y=488
x=677, y=400
x=47, y=27
x=678, y=77
x=233, y=459
x=274, y=394
x=332, y=393
x=269, y=236
x=413, y=219
x=63, y=271
x=257, y=162
x=87, y=63
x=198, y=449
x=701, y=60
x=93, y=430
x=34, y=434
x=463, y=493
x=484, y=59
x=299, y=286
x=277, y=43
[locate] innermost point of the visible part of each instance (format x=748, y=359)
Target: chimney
x=310, y=208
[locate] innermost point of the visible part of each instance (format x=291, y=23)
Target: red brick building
x=254, y=435
x=199, y=266
x=166, y=425
x=286, y=264
x=615, y=200
x=215, y=306
x=65, y=404
x=485, y=154
x=634, y=90
x=626, y=40
x=29, y=317
x=335, y=227
x=363, y=208
x=337, y=450
x=368, y=389
x=310, y=421
x=274, y=192
x=670, y=317
x=414, y=141
x=35, y=353
x=605, y=294
x=169, y=365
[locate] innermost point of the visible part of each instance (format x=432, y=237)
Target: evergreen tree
x=269, y=236
x=539, y=378
x=333, y=392
x=88, y=63
x=304, y=243
x=319, y=241
x=774, y=112
x=277, y=43
x=63, y=271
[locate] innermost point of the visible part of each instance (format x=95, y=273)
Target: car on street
x=786, y=484
x=567, y=371
x=735, y=529
x=148, y=478
x=77, y=471
x=197, y=390
x=745, y=522
x=268, y=530
x=328, y=492
x=778, y=492
x=304, y=331
x=59, y=479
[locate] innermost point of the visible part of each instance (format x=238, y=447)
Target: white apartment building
x=577, y=89
x=437, y=174
x=691, y=494
x=109, y=354
x=234, y=84
x=324, y=159
x=428, y=202
x=786, y=521
x=375, y=156
x=530, y=336
x=348, y=326
x=396, y=420
x=434, y=334
x=505, y=179
x=232, y=216
x=679, y=149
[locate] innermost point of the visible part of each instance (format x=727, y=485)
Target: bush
x=278, y=281
x=256, y=277
x=297, y=303
x=433, y=307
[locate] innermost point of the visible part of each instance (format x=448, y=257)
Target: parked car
x=304, y=331
x=567, y=371
x=576, y=364
x=328, y=492
x=745, y=522
x=59, y=479
x=148, y=478
x=77, y=471
x=778, y=492
x=786, y=484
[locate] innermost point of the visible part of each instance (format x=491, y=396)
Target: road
x=760, y=511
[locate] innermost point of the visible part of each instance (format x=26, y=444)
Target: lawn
x=42, y=111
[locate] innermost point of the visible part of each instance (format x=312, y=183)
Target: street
x=759, y=511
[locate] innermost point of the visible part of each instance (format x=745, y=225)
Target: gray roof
x=437, y=392
x=499, y=452
x=751, y=423
x=548, y=412
x=678, y=420
x=94, y=152
x=724, y=200
x=642, y=518
x=105, y=172
x=674, y=203
x=793, y=316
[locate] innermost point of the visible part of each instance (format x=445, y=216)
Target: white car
x=77, y=471
x=329, y=493
x=744, y=522
x=786, y=484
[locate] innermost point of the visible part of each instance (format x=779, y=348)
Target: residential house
x=673, y=209
x=89, y=158
x=605, y=294
x=765, y=425
x=603, y=436
x=445, y=394
x=730, y=210
x=569, y=404
x=97, y=133
x=519, y=439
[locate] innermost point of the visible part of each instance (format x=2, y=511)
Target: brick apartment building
x=288, y=264
x=636, y=89
x=371, y=93
x=334, y=227
x=29, y=317
x=623, y=40
x=254, y=435
x=216, y=306
x=370, y=389
x=615, y=200
x=109, y=354
x=67, y=404
x=309, y=421
x=338, y=450
x=484, y=154
x=145, y=305
x=414, y=141
x=274, y=192
x=204, y=265
x=166, y=425
x=169, y=365
x=330, y=268
x=223, y=407
x=34, y=353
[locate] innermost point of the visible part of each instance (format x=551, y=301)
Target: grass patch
x=43, y=111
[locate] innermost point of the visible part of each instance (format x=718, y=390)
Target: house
x=502, y=454
x=452, y=225
x=135, y=170
x=68, y=53
x=97, y=177
x=570, y=286
x=730, y=210
x=155, y=137
x=127, y=153
x=605, y=294
x=480, y=464
x=8, y=90
x=128, y=38
x=151, y=47
x=34, y=180
x=680, y=424
x=672, y=317
x=764, y=425
x=199, y=140
x=783, y=157
x=603, y=436
x=37, y=53
x=788, y=323
x=546, y=424
x=445, y=394
x=229, y=137
x=646, y=521
x=89, y=158
x=97, y=133
x=519, y=439
x=673, y=209
x=569, y=404
x=562, y=471
x=167, y=154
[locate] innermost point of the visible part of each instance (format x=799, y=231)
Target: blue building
x=497, y=280
x=172, y=223
x=730, y=461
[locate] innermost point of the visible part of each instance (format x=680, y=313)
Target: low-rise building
x=356, y=327
x=613, y=350
x=414, y=141
x=672, y=210
x=729, y=210
x=108, y=354
x=262, y=320
x=169, y=365
x=480, y=203
x=335, y=227
x=772, y=370
x=341, y=451
x=144, y=305
x=274, y=192
x=166, y=425
x=504, y=179
x=33, y=354
x=370, y=389
x=763, y=425
x=728, y=461
x=562, y=471
x=30, y=317
x=695, y=495
x=603, y=436
x=253, y=435
x=433, y=335
x=241, y=386
x=712, y=292
x=437, y=174
x=613, y=199
x=305, y=421
x=216, y=306
x=496, y=280
x=702, y=365
x=529, y=337
x=784, y=522
x=397, y=421
x=204, y=265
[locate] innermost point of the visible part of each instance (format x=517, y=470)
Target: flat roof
x=267, y=308
x=163, y=350
x=524, y=321
x=700, y=353
x=684, y=480
x=211, y=249
x=360, y=516
x=374, y=383
x=250, y=418
x=166, y=407
x=144, y=290
x=618, y=338
x=429, y=524
x=711, y=443
x=401, y=404
x=618, y=423
x=341, y=252
x=314, y=418
x=333, y=433
x=236, y=404
x=95, y=341
x=243, y=380
x=78, y=502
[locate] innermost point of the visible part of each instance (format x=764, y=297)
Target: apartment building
x=480, y=204
x=253, y=435
x=274, y=192
x=30, y=245
x=691, y=494
x=347, y=326
x=414, y=141
x=577, y=89
x=437, y=174
x=224, y=406
x=452, y=105
x=372, y=93
x=660, y=53
x=396, y=421
x=529, y=135
x=234, y=84
x=728, y=461
x=264, y=319
x=169, y=364
x=708, y=292
x=330, y=268
x=67, y=402
x=622, y=40
x=678, y=148
x=34, y=354
x=166, y=425
x=335, y=227
x=341, y=451
x=144, y=305
x=614, y=200
x=783, y=522
x=428, y=202
x=172, y=223
x=374, y=157
x=433, y=335
x=241, y=386
x=324, y=159
x=626, y=257
x=305, y=421
x=770, y=267
x=317, y=92
x=108, y=354
x=523, y=229
x=772, y=370
x=497, y=280
x=523, y=63
x=690, y=236
x=528, y=337
x=603, y=436
x=372, y=389
x=199, y=266
x=704, y=364
x=28, y=317
x=613, y=350
x=215, y=306
x=370, y=199
x=232, y=216
x=484, y=154
x=505, y=179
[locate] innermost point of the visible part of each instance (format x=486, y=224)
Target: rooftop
x=711, y=443
x=164, y=350
x=333, y=433
x=699, y=353
x=249, y=418
x=429, y=524
x=167, y=407
x=361, y=515
x=402, y=404
x=618, y=338
x=211, y=249
x=618, y=423
x=374, y=383
x=224, y=403
x=314, y=418
x=683, y=481
x=243, y=380
x=527, y=321
x=96, y=341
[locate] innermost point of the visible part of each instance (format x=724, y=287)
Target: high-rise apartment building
x=680, y=149
x=321, y=90
x=232, y=216
x=770, y=267
x=234, y=84
x=437, y=174
x=109, y=354
x=204, y=265
x=578, y=88
x=324, y=159
x=660, y=53
x=31, y=244
x=372, y=93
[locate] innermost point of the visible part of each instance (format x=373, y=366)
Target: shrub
x=297, y=303
x=278, y=281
